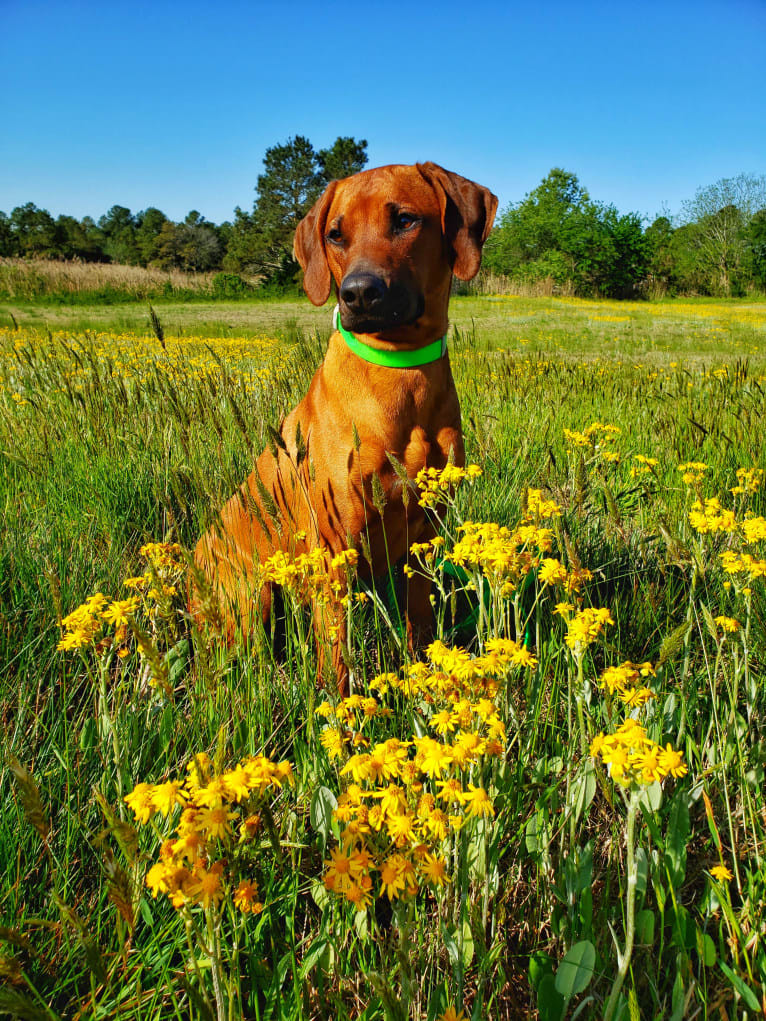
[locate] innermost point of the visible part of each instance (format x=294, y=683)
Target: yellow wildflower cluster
x=437, y=483
x=407, y=799
x=626, y=682
x=749, y=480
x=506, y=556
x=754, y=529
x=538, y=507
x=317, y=575
x=692, y=472
x=743, y=563
x=643, y=466
x=711, y=517
x=85, y=624
x=217, y=814
x=634, y=758
x=584, y=628
x=597, y=439
x=166, y=566
x=728, y=624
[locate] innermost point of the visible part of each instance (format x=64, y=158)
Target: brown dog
x=392, y=239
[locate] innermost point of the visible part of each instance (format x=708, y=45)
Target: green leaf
x=645, y=927
x=651, y=796
x=677, y=837
x=450, y=945
x=707, y=950
x=744, y=990
x=540, y=965
x=550, y=1002
x=313, y=955
x=584, y=788
x=468, y=945
x=323, y=804
x=576, y=970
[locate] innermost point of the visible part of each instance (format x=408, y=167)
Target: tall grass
x=571, y=899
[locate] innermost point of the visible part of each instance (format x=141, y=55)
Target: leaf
x=574, y=973
x=468, y=945
x=550, y=1002
x=707, y=951
x=540, y=965
x=651, y=797
x=584, y=788
x=744, y=990
x=677, y=837
x=323, y=804
x=645, y=927
x=319, y=894
x=313, y=955
x=450, y=945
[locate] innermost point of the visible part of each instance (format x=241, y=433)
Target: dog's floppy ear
x=309, y=248
x=468, y=211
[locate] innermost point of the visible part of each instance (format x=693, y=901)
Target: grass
x=110, y=440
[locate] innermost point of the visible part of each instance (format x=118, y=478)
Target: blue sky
x=173, y=105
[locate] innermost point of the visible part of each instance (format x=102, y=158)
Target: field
x=559, y=811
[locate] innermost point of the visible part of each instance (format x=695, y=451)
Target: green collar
x=391, y=359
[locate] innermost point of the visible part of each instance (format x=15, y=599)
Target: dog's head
x=392, y=239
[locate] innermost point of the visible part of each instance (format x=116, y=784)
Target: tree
x=118, y=228
x=756, y=249
x=345, y=157
x=9, y=244
x=293, y=177
x=558, y=232
x=722, y=213
x=35, y=231
x=149, y=226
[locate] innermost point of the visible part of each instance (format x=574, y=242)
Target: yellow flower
x=165, y=796
x=205, y=887
x=391, y=880
x=217, y=822
x=478, y=801
x=119, y=611
x=672, y=763
x=140, y=802
x=434, y=870
x=450, y=1014
x=246, y=898
x=728, y=624
x=721, y=873
x=552, y=571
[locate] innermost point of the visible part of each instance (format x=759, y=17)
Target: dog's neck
x=392, y=358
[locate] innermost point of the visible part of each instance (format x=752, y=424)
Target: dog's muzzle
x=369, y=305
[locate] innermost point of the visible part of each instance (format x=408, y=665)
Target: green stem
x=630, y=907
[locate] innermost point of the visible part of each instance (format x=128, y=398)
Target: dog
x=384, y=397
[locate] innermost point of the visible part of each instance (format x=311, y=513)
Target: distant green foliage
x=587, y=247
x=557, y=234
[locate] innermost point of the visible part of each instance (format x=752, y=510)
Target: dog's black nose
x=362, y=292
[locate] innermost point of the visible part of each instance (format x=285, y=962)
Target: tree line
x=557, y=233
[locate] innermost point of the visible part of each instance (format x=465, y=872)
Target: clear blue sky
x=173, y=105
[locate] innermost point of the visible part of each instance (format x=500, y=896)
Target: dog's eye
x=334, y=236
x=403, y=221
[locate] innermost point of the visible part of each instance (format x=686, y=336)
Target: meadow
x=558, y=810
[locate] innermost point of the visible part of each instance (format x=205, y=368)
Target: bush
x=230, y=286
